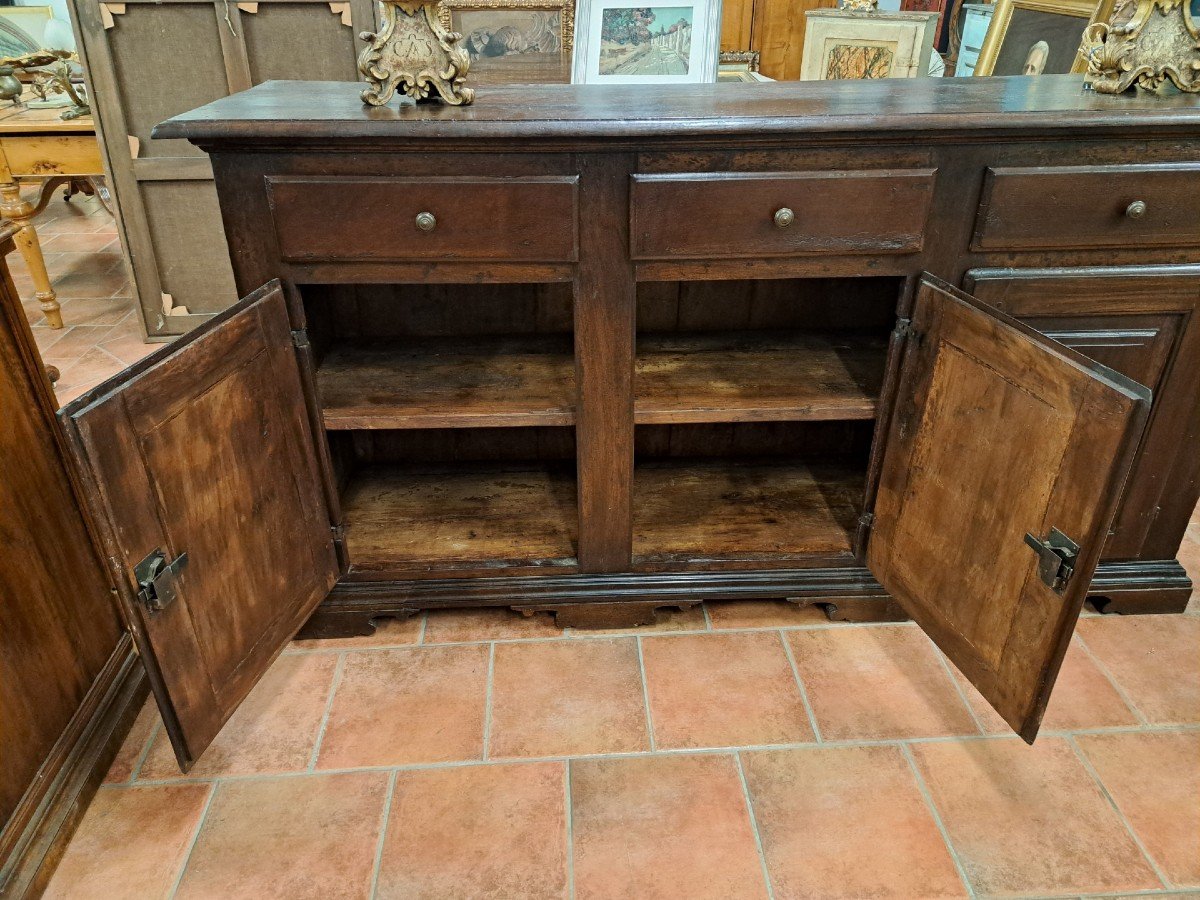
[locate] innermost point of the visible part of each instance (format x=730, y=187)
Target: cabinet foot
x=856, y=609
x=629, y=614
x=349, y=623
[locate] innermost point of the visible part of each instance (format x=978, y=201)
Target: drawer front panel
x=355, y=219
x=1084, y=207
x=731, y=215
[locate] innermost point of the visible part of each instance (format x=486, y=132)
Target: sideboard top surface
x=325, y=110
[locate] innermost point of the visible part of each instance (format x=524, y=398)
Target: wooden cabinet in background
x=69, y=679
x=775, y=28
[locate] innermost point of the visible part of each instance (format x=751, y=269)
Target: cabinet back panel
x=850, y=440
x=452, y=445
x=372, y=311
x=811, y=303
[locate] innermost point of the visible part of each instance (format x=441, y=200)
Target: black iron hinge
x=904, y=329
x=155, y=577
x=1057, y=555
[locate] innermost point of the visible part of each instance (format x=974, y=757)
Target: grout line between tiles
x=187, y=857
x=384, y=816
x=334, y=684
x=762, y=856
x=927, y=795
x=646, y=695
x=1151, y=892
x=962, y=694
x=577, y=634
x=1095, y=776
x=487, y=701
x=145, y=754
x=570, y=830
x=812, y=716
x=708, y=625
x=1112, y=680
x=668, y=751
x=424, y=627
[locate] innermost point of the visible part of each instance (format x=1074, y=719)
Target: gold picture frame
x=993, y=43
x=521, y=56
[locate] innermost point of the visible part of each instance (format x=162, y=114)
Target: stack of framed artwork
x=587, y=41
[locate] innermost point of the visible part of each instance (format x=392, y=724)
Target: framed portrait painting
x=617, y=43
x=514, y=41
x=1035, y=37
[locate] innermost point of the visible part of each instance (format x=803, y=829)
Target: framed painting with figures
x=514, y=41
x=619, y=43
x=1035, y=37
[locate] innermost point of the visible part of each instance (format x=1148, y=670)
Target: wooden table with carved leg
x=36, y=145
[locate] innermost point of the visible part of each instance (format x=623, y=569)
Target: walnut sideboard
x=925, y=348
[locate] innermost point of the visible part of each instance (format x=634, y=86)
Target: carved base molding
x=848, y=594
x=414, y=54
x=37, y=834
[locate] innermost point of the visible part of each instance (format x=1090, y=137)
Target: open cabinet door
x=1004, y=460
x=200, y=467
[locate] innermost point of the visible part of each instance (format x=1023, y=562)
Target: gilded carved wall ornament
x=414, y=54
x=1144, y=43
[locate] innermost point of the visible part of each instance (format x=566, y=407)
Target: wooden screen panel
x=205, y=448
x=184, y=222
x=168, y=60
x=300, y=41
x=737, y=20
x=997, y=432
x=779, y=27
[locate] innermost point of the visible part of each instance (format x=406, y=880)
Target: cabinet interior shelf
x=530, y=381
x=757, y=376
x=712, y=510
x=481, y=516
x=449, y=383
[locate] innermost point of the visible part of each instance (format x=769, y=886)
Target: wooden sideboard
x=599, y=351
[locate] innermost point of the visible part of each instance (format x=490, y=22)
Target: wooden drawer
x=334, y=219
x=1083, y=207
x=724, y=214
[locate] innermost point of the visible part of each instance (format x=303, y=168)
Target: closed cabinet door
x=1002, y=465
x=201, y=466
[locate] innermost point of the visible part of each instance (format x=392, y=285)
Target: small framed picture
x=1035, y=37
x=616, y=43
x=514, y=41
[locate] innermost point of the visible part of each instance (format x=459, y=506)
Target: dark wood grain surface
x=58, y=621
x=204, y=447
x=333, y=110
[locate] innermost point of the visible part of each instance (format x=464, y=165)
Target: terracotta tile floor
x=738, y=750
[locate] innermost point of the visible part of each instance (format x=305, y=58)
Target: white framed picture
x=617, y=42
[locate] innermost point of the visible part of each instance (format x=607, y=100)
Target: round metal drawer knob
x=1136, y=209
x=784, y=217
x=426, y=221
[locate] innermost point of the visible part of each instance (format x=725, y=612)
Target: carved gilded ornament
x=1144, y=43
x=414, y=54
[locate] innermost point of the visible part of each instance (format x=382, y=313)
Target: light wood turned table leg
x=21, y=213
